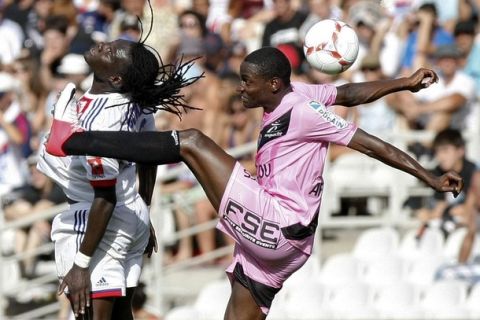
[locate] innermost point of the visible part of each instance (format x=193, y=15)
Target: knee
x=191, y=140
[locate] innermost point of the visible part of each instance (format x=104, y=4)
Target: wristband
x=82, y=260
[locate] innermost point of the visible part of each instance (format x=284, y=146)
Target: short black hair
x=465, y=27
x=271, y=63
x=449, y=136
x=429, y=7
x=57, y=22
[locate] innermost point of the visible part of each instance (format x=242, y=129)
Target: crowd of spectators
x=42, y=43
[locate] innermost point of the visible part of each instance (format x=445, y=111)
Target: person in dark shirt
x=284, y=28
x=442, y=210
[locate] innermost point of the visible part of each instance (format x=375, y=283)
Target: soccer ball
x=331, y=46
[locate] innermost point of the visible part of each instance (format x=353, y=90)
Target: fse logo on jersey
x=329, y=116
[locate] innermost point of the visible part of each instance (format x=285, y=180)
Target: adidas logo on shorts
x=102, y=282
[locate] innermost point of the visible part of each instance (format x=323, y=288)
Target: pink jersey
x=292, y=150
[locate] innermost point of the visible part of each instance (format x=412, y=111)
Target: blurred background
x=387, y=246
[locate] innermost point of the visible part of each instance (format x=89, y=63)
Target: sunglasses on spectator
x=2, y=94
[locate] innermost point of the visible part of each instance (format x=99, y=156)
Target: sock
x=149, y=147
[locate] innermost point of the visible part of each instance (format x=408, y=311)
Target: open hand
x=422, y=78
x=78, y=282
x=449, y=182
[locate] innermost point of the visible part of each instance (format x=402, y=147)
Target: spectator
x=428, y=32
x=14, y=137
x=284, y=28
x=32, y=198
x=447, y=103
x=12, y=39
x=377, y=37
x=319, y=10
x=97, y=22
x=465, y=34
x=33, y=96
x=444, y=210
x=130, y=28
x=36, y=24
x=56, y=46
x=245, y=21
x=165, y=19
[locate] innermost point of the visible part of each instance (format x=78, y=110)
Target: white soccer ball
x=331, y=46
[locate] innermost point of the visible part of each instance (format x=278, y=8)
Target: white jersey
x=78, y=174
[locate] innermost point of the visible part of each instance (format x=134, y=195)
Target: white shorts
x=117, y=262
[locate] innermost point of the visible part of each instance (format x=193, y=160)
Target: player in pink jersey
x=272, y=216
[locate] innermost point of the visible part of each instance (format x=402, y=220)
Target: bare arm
x=147, y=175
x=100, y=213
x=449, y=103
x=352, y=94
x=394, y=157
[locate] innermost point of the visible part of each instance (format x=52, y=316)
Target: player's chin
x=247, y=103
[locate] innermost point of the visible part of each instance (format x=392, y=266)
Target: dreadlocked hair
x=154, y=85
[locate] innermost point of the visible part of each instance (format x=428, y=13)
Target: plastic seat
x=182, y=313
x=445, y=300
x=383, y=272
x=339, y=269
x=473, y=299
x=305, y=302
x=397, y=301
x=212, y=300
x=349, y=301
x=431, y=243
x=376, y=243
x=310, y=270
x=453, y=244
x=421, y=273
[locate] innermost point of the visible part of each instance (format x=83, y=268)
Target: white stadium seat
x=340, y=269
x=310, y=270
x=473, y=301
x=383, y=271
x=376, y=243
x=212, y=300
x=421, y=272
x=431, y=243
x=397, y=301
x=349, y=301
x=183, y=313
x=453, y=244
x=445, y=300
x=305, y=302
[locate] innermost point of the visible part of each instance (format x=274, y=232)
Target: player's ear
x=116, y=81
x=275, y=84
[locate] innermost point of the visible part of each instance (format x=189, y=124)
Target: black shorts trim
x=262, y=293
x=298, y=231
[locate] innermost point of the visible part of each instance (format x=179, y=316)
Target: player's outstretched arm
x=353, y=94
x=394, y=157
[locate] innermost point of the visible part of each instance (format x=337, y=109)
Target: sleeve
x=321, y=124
x=325, y=94
x=147, y=123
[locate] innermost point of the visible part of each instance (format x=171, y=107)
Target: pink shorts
x=263, y=257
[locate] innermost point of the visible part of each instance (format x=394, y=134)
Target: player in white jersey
x=101, y=238
x=272, y=217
